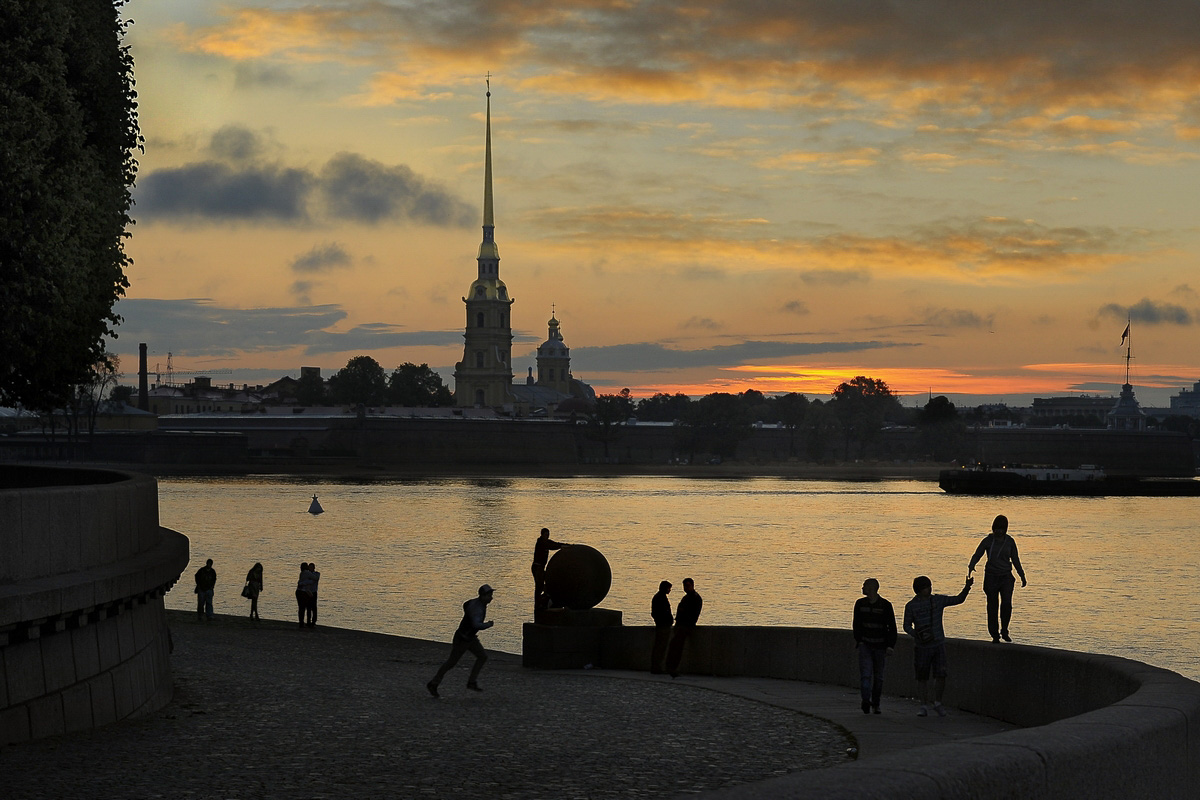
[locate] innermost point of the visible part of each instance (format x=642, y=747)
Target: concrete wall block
x=1113, y=752
x=37, y=556
x=46, y=716
x=104, y=703
x=77, y=708
x=104, y=511
x=125, y=634
x=90, y=527
x=108, y=643
x=783, y=655
x=12, y=539
x=626, y=647
x=698, y=650
x=66, y=524
x=77, y=595
x=85, y=649
x=123, y=521
x=23, y=670
x=58, y=662
x=14, y=724
x=961, y=769
x=122, y=683
x=40, y=605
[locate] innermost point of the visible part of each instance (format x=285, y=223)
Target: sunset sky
x=968, y=198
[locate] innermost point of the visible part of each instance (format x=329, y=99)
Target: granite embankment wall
x=83, y=569
x=1094, y=725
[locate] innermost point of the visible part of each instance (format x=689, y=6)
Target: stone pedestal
x=563, y=638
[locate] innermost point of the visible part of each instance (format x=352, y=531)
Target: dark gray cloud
x=647, y=356
x=213, y=190
x=322, y=258
x=955, y=318
x=1149, y=312
x=236, y=143
x=348, y=187
x=248, y=74
x=834, y=277
x=798, y=307
x=198, y=327
x=359, y=189
x=702, y=323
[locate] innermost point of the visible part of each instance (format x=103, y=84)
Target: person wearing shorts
x=923, y=622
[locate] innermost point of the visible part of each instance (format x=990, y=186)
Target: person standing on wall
x=686, y=616
x=923, y=622
x=998, y=580
x=875, y=636
x=541, y=553
x=660, y=612
x=467, y=638
x=206, y=581
x=253, y=588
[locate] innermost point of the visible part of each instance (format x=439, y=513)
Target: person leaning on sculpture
x=253, y=588
x=686, y=616
x=998, y=580
x=923, y=622
x=206, y=581
x=467, y=638
x=541, y=552
x=874, y=636
x=660, y=612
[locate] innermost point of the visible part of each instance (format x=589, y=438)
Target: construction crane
x=172, y=373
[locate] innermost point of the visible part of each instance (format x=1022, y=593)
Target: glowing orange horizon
x=816, y=382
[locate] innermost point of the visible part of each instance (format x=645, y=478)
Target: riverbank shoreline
x=866, y=471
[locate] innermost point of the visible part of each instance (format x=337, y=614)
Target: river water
x=1110, y=575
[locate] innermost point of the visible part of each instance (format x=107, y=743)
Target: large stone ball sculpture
x=578, y=577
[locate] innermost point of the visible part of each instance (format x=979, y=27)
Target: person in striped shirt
x=875, y=636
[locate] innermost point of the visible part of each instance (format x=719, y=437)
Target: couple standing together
x=686, y=616
x=306, y=595
x=875, y=622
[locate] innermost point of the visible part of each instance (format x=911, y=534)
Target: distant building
x=1049, y=408
x=555, y=387
x=1187, y=402
x=1127, y=415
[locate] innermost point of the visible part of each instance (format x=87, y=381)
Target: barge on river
x=1085, y=481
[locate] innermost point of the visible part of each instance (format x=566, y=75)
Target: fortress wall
x=1094, y=725
x=83, y=569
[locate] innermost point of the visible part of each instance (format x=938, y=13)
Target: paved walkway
x=263, y=710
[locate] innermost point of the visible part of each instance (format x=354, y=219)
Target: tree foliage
x=715, y=424
x=862, y=406
x=310, y=390
x=68, y=132
x=418, y=386
x=610, y=412
x=361, y=382
x=663, y=407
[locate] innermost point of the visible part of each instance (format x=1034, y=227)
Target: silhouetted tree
x=361, y=381
x=68, y=130
x=417, y=386
x=663, y=407
x=790, y=411
x=940, y=428
x=715, y=424
x=122, y=395
x=311, y=391
x=610, y=412
x=862, y=405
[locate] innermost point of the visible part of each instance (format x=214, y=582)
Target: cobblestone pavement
x=264, y=710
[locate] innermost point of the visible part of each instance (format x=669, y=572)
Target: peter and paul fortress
x=484, y=377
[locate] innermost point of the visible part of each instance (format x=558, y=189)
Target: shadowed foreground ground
x=266, y=710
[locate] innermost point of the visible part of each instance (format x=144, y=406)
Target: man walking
x=206, y=581
x=686, y=615
x=660, y=612
x=875, y=636
x=923, y=622
x=998, y=580
x=541, y=552
x=467, y=638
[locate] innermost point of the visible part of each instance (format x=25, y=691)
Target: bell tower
x=484, y=376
